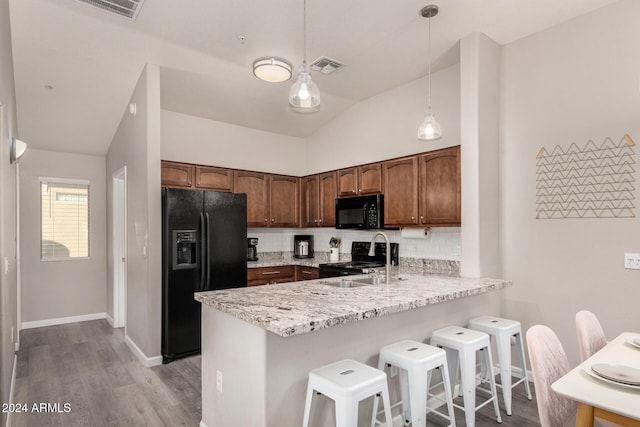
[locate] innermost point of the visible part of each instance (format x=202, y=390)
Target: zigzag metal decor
x=586, y=182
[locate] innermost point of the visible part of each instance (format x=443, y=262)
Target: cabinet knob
x=315, y=220
x=265, y=220
x=421, y=217
x=413, y=218
x=320, y=220
x=273, y=220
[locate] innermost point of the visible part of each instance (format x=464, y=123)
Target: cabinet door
x=440, y=187
x=370, y=179
x=307, y=273
x=210, y=178
x=328, y=189
x=255, y=186
x=347, y=182
x=310, y=197
x=284, y=204
x=401, y=192
x=176, y=174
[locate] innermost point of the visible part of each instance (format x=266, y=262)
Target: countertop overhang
x=294, y=308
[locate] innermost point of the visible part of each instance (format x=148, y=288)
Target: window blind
x=64, y=218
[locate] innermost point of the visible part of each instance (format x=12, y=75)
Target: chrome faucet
x=372, y=252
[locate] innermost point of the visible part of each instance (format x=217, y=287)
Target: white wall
x=57, y=289
x=8, y=280
x=386, y=125
x=196, y=140
x=136, y=145
x=571, y=83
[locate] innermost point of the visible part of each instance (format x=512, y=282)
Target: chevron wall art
x=594, y=181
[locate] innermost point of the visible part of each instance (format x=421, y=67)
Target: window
x=64, y=219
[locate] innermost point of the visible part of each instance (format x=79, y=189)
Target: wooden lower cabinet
x=280, y=274
x=270, y=275
x=306, y=273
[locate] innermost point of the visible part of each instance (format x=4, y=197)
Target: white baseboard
x=146, y=361
x=62, y=320
x=109, y=319
x=11, y=387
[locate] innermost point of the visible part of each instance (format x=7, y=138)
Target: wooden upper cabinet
x=176, y=174
x=255, y=185
x=212, y=178
x=440, y=187
x=370, y=179
x=347, y=182
x=361, y=180
x=284, y=201
x=328, y=191
x=401, y=192
x=310, y=191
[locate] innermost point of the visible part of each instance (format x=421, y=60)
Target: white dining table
x=600, y=398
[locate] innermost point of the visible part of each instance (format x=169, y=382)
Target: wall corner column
x=480, y=153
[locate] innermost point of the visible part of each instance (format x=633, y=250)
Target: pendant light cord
x=304, y=31
x=429, y=68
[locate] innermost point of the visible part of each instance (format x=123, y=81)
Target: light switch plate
x=632, y=261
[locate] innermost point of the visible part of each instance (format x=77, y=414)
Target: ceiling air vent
x=127, y=8
x=326, y=65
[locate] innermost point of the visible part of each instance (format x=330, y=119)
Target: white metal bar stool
x=347, y=382
x=416, y=361
x=503, y=330
x=462, y=344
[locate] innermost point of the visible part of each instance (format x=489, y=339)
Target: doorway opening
x=119, y=181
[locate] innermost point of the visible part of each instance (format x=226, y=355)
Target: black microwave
x=363, y=213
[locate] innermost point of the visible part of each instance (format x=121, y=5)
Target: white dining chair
x=549, y=362
x=590, y=334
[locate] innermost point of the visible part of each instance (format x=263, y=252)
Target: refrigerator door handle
x=208, y=251
x=203, y=254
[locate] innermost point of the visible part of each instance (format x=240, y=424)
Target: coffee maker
x=252, y=249
x=302, y=246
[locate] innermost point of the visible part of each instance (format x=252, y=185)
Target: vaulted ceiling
x=76, y=65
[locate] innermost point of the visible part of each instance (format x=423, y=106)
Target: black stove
x=361, y=262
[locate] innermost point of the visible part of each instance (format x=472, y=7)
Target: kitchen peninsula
x=259, y=343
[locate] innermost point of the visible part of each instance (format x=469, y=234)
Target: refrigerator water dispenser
x=184, y=249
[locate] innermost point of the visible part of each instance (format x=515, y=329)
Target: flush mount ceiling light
x=304, y=96
x=429, y=129
x=272, y=70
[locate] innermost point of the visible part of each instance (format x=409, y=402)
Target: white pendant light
x=429, y=129
x=304, y=96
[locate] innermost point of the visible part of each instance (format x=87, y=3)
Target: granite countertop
x=293, y=308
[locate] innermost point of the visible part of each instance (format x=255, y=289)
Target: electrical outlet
x=632, y=261
x=219, y=381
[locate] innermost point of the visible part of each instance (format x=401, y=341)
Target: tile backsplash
x=440, y=243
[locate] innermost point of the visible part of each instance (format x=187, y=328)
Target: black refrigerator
x=204, y=248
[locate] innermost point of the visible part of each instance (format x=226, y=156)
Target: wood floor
x=88, y=366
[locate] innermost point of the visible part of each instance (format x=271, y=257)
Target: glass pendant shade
x=304, y=96
x=429, y=129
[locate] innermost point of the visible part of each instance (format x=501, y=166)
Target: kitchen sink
x=366, y=281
